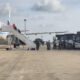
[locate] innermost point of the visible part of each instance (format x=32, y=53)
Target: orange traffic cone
x=23, y=46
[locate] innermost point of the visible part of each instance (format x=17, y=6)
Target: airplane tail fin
x=8, y=23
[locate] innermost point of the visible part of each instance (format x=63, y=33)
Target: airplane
x=11, y=30
x=12, y=33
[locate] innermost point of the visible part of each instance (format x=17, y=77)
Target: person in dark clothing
x=14, y=45
x=48, y=45
x=37, y=45
x=54, y=44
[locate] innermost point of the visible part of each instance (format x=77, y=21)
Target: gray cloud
x=49, y=6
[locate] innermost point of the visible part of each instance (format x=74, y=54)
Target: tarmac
x=40, y=65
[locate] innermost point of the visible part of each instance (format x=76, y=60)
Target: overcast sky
x=43, y=15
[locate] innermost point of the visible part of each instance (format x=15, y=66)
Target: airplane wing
x=24, y=30
x=45, y=33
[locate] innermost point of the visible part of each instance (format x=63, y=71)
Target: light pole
x=25, y=25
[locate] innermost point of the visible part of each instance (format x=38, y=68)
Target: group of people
x=48, y=45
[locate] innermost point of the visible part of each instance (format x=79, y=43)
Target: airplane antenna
x=9, y=12
x=9, y=15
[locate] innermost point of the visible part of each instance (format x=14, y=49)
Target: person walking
x=48, y=45
x=37, y=44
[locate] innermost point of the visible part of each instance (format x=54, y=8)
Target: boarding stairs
x=29, y=43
